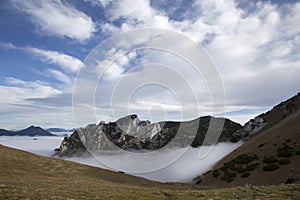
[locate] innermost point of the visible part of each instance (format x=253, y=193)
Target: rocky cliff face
x=130, y=133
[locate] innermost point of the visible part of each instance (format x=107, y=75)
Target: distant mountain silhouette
x=30, y=131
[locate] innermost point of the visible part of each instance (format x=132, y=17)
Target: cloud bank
x=184, y=169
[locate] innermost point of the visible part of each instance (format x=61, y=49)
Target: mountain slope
x=27, y=176
x=30, y=131
x=276, y=145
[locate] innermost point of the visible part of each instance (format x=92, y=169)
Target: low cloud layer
x=184, y=169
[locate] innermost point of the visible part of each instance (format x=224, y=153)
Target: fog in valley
x=184, y=169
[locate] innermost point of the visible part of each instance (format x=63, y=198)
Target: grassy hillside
x=270, y=157
x=27, y=176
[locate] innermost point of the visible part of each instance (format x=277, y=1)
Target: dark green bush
x=285, y=151
x=238, y=168
x=298, y=152
x=245, y=159
x=245, y=174
x=261, y=145
x=291, y=180
x=270, y=159
x=270, y=167
x=252, y=167
x=227, y=166
x=215, y=173
x=284, y=161
x=228, y=176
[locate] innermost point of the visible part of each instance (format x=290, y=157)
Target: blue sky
x=43, y=44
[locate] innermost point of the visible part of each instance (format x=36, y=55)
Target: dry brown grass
x=27, y=176
x=264, y=144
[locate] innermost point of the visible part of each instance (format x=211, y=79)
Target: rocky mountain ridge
x=131, y=134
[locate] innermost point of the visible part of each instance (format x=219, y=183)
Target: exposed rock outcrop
x=269, y=119
x=130, y=133
x=250, y=128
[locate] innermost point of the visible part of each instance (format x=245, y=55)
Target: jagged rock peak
x=131, y=133
x=132, y=125
x=128, y=120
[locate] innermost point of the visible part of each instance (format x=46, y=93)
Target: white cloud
x=8, y=45
x=18, y=89
x=141, y=14
x=109, y=70
x=113, y=68
x=141, y=10
x=103, y=3
x=256, y=50
x=60, y=76
x=57, y=18
x=66, y=62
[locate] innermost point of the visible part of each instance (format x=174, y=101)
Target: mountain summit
x=131, y=134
